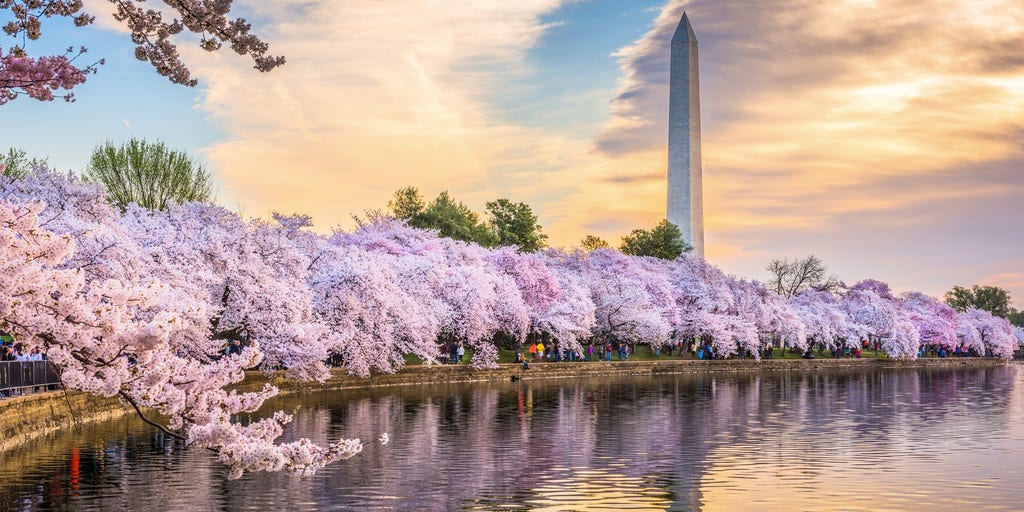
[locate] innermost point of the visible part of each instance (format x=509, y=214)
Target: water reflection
x=853, y=440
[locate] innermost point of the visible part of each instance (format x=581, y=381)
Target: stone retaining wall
x=438, y=374
x=28, y=417
x=24, y=418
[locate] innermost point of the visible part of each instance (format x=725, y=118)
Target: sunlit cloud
x=376, y=96
x=839, y=127
x=883, y=136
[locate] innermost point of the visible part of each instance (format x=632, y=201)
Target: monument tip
x=684, y=31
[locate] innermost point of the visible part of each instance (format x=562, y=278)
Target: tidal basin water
x=854, y=440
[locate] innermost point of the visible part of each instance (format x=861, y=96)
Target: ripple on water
x=900, y=441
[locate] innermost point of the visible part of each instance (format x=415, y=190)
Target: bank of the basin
x=438, y=374
x=29, y=417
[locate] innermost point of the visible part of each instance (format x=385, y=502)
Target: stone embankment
x=28, y=417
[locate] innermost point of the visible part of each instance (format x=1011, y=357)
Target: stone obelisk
x=685, y=194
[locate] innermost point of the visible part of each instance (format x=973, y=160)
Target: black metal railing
x=26, y=376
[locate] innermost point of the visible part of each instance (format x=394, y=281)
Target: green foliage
x=1016, y=318
x=664, y=241
x=16, y=164
x=592, y=242
x=149, y=174
x=990, y=298
x=515, y=224
x=407, y=203
x=453, y=219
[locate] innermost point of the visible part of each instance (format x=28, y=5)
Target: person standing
x=540, y=351
x=590, y=351
x=461, y=352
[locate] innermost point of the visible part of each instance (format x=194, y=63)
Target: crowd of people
x=12, y=351
x=604, y=351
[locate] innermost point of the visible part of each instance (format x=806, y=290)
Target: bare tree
x=790, y=277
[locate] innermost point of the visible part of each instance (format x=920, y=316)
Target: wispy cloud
x=846, y=128
x=878, y=134
x=376, y=96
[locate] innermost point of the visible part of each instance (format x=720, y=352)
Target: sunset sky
x=886, y=137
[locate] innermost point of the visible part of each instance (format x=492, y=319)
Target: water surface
x=846, y=440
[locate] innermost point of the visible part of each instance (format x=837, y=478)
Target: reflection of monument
x=685, y=196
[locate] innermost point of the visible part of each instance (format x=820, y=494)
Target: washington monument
x=685, y=195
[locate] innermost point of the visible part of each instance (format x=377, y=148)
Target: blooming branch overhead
x=152, y=31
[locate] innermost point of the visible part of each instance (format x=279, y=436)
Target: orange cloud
x=828, y=127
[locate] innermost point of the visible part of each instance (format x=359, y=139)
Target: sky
x=885, y=137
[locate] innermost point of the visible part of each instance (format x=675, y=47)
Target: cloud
x=375, y=96
x=876, y=134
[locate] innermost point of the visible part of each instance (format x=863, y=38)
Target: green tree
x=664, y=241
x=515, y=224
x=149, y=175
x=990, y=298
x=406, y=203
x=593, y=242
x=16, y=164
x=453, y=219
x=1016, y=318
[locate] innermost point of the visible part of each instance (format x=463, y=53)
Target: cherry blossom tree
x=823, y=318
x=936, y=322
x=468, y=300
x=710, y=309
x=624, y=306
x=39, y=77
x=249, y=273
x=768, y=311
x=875, y=313
x=986, y=333
x=153, y=31
x=699, y=288
x=559, y=303
x=366, y=316
x=116, y=337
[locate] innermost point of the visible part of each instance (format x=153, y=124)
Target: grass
x=645, y=353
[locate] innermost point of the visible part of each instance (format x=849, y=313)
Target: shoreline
x=442, y=374
x=28, y=417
